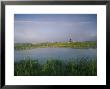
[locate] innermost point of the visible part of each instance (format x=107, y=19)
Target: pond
x=43, y=54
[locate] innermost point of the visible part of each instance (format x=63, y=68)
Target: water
x=42, y=54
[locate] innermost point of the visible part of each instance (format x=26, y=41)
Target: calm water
x=42, y=54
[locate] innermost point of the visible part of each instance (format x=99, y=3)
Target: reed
x=56, y=67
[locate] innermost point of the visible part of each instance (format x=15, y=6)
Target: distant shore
x=24, y=46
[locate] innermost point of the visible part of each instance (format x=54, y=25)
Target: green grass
x=21, y=46
x=55, y=67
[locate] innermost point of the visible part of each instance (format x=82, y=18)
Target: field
x=23, y=46
x=56, y=67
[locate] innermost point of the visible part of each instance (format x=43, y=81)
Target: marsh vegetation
x=82, y=67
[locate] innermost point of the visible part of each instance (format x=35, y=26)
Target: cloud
x=23, y=21
x=43, y=31
x=53, y=22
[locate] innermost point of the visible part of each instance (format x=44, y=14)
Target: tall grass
x=55, y=67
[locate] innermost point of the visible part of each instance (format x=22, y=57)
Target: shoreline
x=51, y=47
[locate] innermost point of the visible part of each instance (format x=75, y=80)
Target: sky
x=39, y=28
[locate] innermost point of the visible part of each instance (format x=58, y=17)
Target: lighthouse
x=70, y=40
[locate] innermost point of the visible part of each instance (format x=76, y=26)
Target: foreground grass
x=82, y=67
x=91, y=44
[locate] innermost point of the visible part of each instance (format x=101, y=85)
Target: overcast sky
x=54, y=27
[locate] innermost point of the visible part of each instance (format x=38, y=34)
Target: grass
x=23, y=46
x=56, y=67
